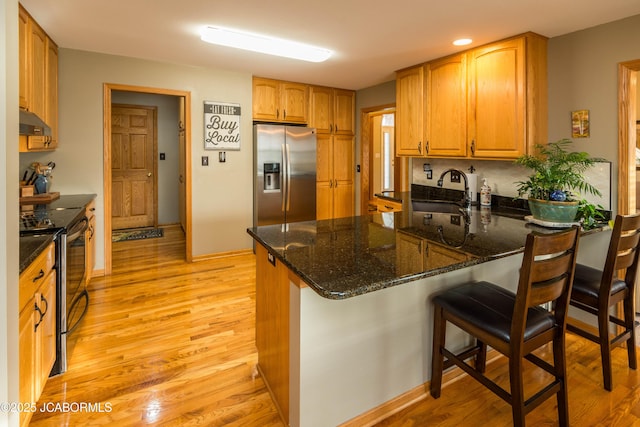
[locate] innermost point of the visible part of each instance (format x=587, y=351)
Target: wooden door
x=133, y=169
x=446, y=107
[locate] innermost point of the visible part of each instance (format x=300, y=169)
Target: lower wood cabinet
x=37, y=342
x=272, y=326
x=415, y=254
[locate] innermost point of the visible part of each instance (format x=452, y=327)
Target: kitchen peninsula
x=343, y=311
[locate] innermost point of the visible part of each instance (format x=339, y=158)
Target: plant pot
x=547, y=210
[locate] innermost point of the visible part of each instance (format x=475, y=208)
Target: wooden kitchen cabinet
x=279, y=101
x=385, y=205
x=38, y=76
x=37, y=325
x=415, y=254
x=90, y=241
x=446, y=107
x=508, y=97
x=488, y=103
x=334, y=179
x=411, y=253
x=331, y=110
x=410, y=112
x=272, y=326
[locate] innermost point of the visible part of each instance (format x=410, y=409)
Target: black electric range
x=41, y=219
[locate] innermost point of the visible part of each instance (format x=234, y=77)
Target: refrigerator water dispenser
x=272, y=176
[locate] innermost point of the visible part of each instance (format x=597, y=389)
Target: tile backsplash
x=503, y=176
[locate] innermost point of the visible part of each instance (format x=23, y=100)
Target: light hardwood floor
x=170, y=343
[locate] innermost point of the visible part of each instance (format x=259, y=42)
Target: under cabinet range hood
x=32, y=125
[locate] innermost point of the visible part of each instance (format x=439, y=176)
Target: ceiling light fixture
x=462, y=42
x=264, y=44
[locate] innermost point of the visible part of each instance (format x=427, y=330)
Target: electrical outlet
x=205, y=160
x=455, y=219
x=455, y=176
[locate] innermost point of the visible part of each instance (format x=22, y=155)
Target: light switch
x=205, y=160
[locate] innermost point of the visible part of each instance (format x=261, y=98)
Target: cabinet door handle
x=284, y=114
x=331, y=128
x=426, y=146
x=336, y=183
x=42, y=313
x=420, y=147
x=277, y=113
x=473, y=147
x=336, y=128
x=39, y=276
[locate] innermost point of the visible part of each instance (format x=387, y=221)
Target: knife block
x=26, y=190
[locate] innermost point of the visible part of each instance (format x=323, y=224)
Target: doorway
x=184, y=178
x=381, y=170
x=627, y=117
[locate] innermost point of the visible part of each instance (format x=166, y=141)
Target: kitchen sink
x=436, y=206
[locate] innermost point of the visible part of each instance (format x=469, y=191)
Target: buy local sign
x=221, y=126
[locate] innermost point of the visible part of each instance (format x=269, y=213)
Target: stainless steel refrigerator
x=285, y=174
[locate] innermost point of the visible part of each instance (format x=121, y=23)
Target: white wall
x=9, y=209
x=222, y=192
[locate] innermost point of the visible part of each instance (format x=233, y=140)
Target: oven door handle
x=78, y=229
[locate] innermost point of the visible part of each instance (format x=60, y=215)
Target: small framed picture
x=580, y=124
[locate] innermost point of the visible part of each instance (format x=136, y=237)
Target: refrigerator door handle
x=285, y=172
x=288, y=177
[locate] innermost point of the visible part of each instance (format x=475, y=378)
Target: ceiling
x=370, y=38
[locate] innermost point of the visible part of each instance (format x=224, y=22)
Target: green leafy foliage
x=555, y=168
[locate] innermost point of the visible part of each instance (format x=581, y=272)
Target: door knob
x=149, y=174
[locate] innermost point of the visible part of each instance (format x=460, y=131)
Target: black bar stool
x=513, y=324
x=596, y=291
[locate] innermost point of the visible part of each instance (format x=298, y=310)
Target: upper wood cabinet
x=38, y=75
x=508, y=97
x=332, y=110
x=489, y=102
x=279, y=101
x=410, y=112
x=446, y=107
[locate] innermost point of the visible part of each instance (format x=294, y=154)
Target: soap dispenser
x=485, y=194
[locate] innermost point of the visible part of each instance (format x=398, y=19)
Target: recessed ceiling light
x=264, y=44
x=462, y=42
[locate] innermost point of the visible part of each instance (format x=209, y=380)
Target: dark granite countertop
x=68, y=201
x=31, y=247
x=346, y=257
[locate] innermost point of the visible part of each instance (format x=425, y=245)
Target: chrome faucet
x=466, y=200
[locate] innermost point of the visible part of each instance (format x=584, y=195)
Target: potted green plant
x=556, y=181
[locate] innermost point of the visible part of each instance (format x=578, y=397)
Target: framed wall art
x=580, y=124
x=221, y=126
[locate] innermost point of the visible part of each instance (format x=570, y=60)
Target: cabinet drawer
x=35, y=274
x=389, y=206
